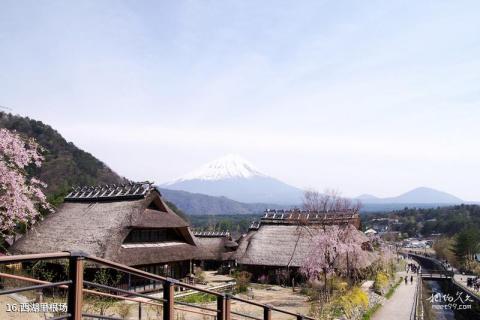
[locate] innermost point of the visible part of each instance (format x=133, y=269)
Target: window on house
x=152, y=235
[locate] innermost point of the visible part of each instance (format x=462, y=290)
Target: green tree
x=100, y=304
x=467, y=244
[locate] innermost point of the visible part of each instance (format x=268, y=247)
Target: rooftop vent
x=129, y=191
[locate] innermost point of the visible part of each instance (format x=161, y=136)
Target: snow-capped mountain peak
x=235, y=178
x=226, y=167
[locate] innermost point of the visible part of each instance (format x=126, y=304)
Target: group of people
x=406, y=279
x=473, y=282
x=413, y=268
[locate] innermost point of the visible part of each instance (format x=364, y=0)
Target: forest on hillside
x=236, y=224
x=442, y=220
x=65, y=164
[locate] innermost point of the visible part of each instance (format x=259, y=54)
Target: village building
x=275, y=247
x=218, y=249
x=370, y=232
x=128, y=224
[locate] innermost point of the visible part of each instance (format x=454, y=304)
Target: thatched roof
x=278, y=245
x=151, y=218
x=99, y=225
x=216, y=245
x=296, y=216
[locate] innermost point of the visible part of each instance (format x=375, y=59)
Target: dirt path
x=277, y=296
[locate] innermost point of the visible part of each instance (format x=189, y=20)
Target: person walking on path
x=399, y=306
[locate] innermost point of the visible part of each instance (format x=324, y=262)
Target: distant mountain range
x=235, y=178
x=199, y=204
x=422, y=195
x=229, y=185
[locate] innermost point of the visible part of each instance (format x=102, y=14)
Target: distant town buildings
x=417, y=243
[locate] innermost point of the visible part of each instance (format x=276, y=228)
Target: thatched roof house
x=283, y=239
x=129, y=224
x=217, y=245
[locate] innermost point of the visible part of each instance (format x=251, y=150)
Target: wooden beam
x=75, y=290
x=220, y=308
x=228, y=307
x=168, y=304
x=267, y=313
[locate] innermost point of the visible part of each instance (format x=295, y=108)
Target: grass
x=198, y=298
x=392, y=289
x=370, y=312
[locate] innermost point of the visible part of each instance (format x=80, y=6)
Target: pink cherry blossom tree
x=326, y=248
x=387, y=257
x=21, y=196
x=335, y=249
x=358, y=251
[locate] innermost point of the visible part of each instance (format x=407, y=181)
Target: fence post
x=168, y=303
x=228, y=307
x=267, y=313
x=75, y=290
x=220, y=308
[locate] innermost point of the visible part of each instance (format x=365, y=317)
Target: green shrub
x=339, y=284
x=370, y=312
x=243, y=280
x=312, y=293
x=198, y=298
x=353, y=302
x=381, y=282
x=200, y=274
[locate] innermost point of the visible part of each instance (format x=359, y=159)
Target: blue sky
x=364, y=96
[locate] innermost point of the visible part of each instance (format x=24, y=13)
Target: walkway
x=399, y=306
x=461, y=280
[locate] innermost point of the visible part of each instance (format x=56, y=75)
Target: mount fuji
x=234, y=177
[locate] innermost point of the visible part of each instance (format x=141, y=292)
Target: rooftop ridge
x=127, y=191
x=308, y=211
x=296, y=216
x=211, y=234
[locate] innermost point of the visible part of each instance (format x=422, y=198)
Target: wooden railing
x=416, y=312
x=437, y=274
x=77, y=287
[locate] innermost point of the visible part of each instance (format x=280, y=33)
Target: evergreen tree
x=467, y=244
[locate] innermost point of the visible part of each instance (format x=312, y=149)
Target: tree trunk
x=325, y=282
x=348, y=271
